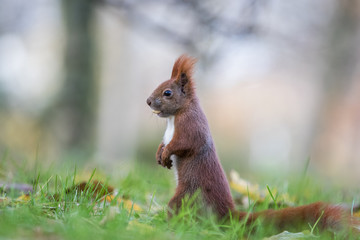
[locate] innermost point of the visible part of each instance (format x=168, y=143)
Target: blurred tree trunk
x=77, y=103
x=335, y=140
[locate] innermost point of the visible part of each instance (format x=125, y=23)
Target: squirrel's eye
x=167, y=93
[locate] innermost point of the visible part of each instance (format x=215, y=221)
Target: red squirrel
x=188, y=147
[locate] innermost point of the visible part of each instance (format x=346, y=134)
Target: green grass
x=77, y=215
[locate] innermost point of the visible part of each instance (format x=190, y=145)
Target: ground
x=60, y=208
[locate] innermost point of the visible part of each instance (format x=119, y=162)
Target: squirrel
x=188, y=147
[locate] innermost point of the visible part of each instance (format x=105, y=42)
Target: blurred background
x=278, y=80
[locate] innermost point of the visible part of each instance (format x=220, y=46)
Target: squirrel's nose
x=148, y=101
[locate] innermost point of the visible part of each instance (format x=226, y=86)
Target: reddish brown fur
x=183, y=64
x=198, y=165
x=330, y=216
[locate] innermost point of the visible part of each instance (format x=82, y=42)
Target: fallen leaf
x=24, y=198
x=128, y=204
x=97, y=188
x=246, y=188
x=254, y=192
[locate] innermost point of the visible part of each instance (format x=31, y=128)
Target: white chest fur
x=169, y=133
x=170, y=129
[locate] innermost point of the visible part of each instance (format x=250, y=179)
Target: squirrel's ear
x=183, y=79
x=183, y=70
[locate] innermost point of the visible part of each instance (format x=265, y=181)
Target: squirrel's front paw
x=167, y=163
x=159, y=153
x=165, y=160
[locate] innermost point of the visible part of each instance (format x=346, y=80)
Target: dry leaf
x=23, y=198
x=245, y=188
x=253, y=191
x=128, y=204
x=97, y=188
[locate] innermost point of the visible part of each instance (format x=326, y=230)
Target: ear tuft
x=183, y=69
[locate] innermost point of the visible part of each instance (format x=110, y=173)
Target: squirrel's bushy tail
x=324, y=216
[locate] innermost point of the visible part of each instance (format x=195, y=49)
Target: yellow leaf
x=285, y=198
x=254, y=192
x=109, y=198
x=24, y=198
x=244, y=187
x=128, y=204
x=357, y=214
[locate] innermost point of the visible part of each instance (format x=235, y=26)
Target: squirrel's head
x=173, y=95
